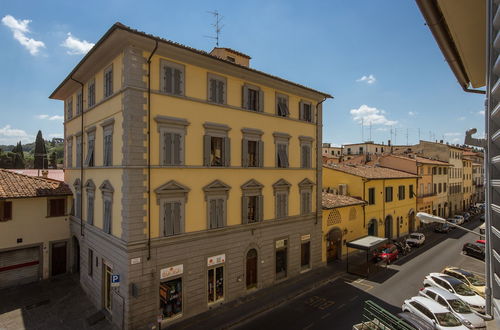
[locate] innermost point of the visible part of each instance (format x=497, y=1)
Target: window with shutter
x=107, y=216
x=282, y=105
x=305, y=111
x=108, y=81
x=306, y=156
x=69, y=108
x=172, y=78
x=282, y=155
x=5, y=211
x=79, y=103
x=57, y=207
x=89, y=161
x=216, y=88
x=91, y=93
x=108, y=146
x=69, y=156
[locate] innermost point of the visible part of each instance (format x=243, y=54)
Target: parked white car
x=460, y=219
x=460, y=309
x=457, y=287
x=415, y=239
x=433, y=313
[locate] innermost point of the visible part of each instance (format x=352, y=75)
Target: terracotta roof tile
x=15, y=185
x=330, y=201
x=52, y=174
x=371, y=172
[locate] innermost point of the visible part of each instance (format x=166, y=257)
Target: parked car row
x=476, y=249
x=452, y=299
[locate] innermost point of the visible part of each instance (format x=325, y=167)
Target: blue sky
x=377, y=58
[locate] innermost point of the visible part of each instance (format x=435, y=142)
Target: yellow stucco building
x=468, y=183
x=34, y=230
x=390, y=196
x=196, y=178
x=343, y=221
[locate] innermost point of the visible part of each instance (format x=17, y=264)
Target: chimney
x=231, y=55
x=45, y=174
x=389, y=142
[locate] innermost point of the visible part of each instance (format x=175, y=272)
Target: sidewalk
x=246, y=307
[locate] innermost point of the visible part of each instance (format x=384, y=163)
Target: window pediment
x=216, y=186
x=89, y=185
x=252, y=184
x=306, y=183
x=282, y=184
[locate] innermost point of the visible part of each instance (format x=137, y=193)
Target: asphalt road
x=339, y=304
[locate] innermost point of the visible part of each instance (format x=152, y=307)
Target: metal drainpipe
x=319, y=162
x=81, y=161
x=149, y=148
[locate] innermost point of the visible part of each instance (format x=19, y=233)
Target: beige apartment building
x=196, y=178
x=452, y=155
x=364, y=148
x=432, y=180
x=467, y=183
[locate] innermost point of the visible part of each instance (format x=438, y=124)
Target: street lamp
x=429, y=218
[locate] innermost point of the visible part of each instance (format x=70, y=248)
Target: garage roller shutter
x=19, y=266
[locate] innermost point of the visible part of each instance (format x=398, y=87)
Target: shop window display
x=171, y=298
x=215, y=284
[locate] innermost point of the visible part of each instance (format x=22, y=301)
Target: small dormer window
x=231, y=59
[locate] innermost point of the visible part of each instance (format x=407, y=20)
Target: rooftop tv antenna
x=217, y=26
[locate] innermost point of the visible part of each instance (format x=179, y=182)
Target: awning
x=367, y=243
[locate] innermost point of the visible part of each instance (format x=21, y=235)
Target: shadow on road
x=432, y=239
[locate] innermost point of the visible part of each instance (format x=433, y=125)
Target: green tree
x=41, y=160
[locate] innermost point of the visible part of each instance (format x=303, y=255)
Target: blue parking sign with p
x=115, y=280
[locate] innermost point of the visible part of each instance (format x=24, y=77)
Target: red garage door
x=19, y=266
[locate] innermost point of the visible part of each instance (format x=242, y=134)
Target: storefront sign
x=280, y=243
x=220, y=259
x=305, y=237
x=135, y=261
x=171, y=271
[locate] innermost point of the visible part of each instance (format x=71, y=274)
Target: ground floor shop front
x=189, y=274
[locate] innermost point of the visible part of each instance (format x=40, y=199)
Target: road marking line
x=340, y=306
x=369, y=287
x=325, y=316
x=353, y=298
x=309, y=326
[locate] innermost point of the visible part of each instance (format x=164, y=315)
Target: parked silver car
x=460, y=309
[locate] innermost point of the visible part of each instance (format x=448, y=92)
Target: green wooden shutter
x=207, y=142
x=245, y=98
x=168, y=148
x=261, y=101
x=220, y=92
x=167, y=219
x=244, y=209
x=177, y=149
x=226, y=151
x=176, y=218
x=260, y=153
x=220, y=213
x=168, y=79
x=213, y=90
x=212, y=213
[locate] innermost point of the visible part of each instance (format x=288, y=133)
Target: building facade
x=198, y=178
x=343, y=221
x=390, y=196
x=34, y=230
x=467, y=183
x=452, y=155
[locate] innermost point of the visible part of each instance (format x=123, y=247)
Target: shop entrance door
x=334, y=245
x=58, y=258
x=108, y=271
x=251, y=269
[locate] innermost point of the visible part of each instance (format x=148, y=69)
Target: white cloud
x=55, y=117
x=481, y=112
x=20, y=30
x=412, y=113
x=369, y=115
x=9, y=135
x=76, y=46
x=461, y=118
x=382, y=129
x=370, y=79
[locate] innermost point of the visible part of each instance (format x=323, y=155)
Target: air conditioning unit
x=343, y=189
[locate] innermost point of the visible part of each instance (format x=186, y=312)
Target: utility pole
x=217, y=26
x=362, y=130
x=370, y=131
x=407, y=136
x=419, y=135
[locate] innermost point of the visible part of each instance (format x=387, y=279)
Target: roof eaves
x=119, y=25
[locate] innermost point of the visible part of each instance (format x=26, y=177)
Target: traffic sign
x=115, y=280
